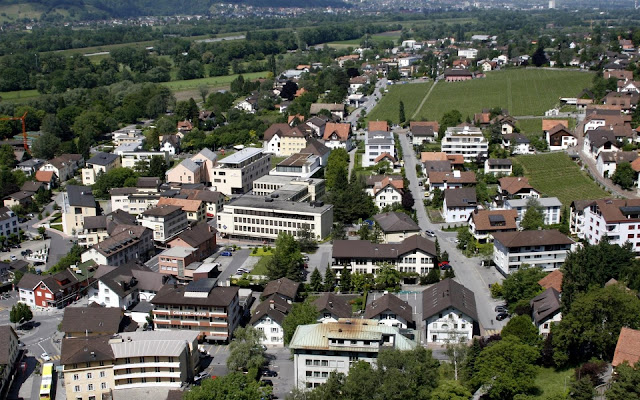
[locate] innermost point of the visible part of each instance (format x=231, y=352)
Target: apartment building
x=97, y=366
x=64, y=166
x=125, y=286
x=200, y=306
x=498, y=166
x=414, y=254
x=127, y=135
x=94, y=320
x=320, y=349
x=98, y=228
x=9, y=352
x=376, y=144
x=194, y=209
x=235, y=174
x=484, y=223
x=289, y=188
x=213, y=201
x=389, y=310
x=133, y=200
x=257, y=218
x=100, y=163
x=467, y=141
x=396, y=226
x=8, y=222
x=77, y=203
x=126, y=243
x=186, y=172
x=458, y=204
x=449, y=312
x=300, y=165
x=202, y=237
x=551, y=206
x=131, y=158
x=449, y=180
x=165, y=221
x=545, y=249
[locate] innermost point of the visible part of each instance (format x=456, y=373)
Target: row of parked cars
x=502, y=312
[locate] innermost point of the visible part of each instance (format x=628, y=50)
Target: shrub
x=496, y=290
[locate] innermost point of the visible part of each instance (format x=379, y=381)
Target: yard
x=553, y=383
x=388, y=106
x=520, y=91
x=555, y=175
x=261, y=267
x=533, y=126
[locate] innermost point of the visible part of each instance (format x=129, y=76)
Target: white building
x=131, y=158
x=375, y=144
x=607, y=161
x=331, y=307
x=320, y=349
x=545, y=249
x=300, y=165
x=8, y=222
x=552, y=209
x=458, y=204
x=100, y=163
x=498, y=166
x=268, y=317
x=235, y=174
x=289, y=188
x=560, y=138
x=468, y=53
x=467, y=141
x=389, y=310
x=165, y=221
x=449, y=313
x=126, y=243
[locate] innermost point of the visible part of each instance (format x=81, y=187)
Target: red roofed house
x=50, y=291
x=49, y=178
x=185, y=126
x=552, y=280
x=515, y=187
x=338, y=135
x=628, y=347
x=385, y=190
x=378, y=126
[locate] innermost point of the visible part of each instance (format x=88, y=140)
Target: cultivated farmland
x=411, y=94
x=555, y=175
x=520, y=91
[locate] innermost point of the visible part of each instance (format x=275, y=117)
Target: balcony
x=149, y=364
x=148, y=384
x=149, y=375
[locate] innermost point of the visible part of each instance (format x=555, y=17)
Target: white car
x=13, y=258
x=45, y=357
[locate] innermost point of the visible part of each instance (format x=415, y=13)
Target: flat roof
x=251, y=201
x=177, y=252
x=241, y=156
x=544, y=201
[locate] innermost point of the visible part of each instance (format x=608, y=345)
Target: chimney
x=272, y=304
x=331, y=304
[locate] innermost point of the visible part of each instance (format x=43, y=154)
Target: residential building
x=456, y=160
x=126, y=243
x=545, y=249
x=602, y=118
x=317, y=125
x=100, y=163
x=292, y=141
x=201, y=237
x=55, y=290
x=48, y=178
x=339, y=110
x=467, y=141
x=18, y=199
x=273, y=136
x=498, y=166
x=8, y=222
x=268, y=317
x=77, y=204
x=421, y=133
x=320, y=349
x=396, y=226
x=483, y=223
x=599, y=140
x=289, y=188
x=377, y=143
x=551, y=206
x=213, y=201
x=318, y=149
x=64, y=166
x=194, y=209
x=378, y=126
x=9, y=352
x=256, y=218
x=338, y=135
x=235, y=174
x=125, y=286
x=94, y=320
x=165, y=221
x=627, y=348
x=170, y=144
x=516, y=143
x=187, y=171
x=390, y=310
x=126, y=135
x=552, y=280
x=449, y=313
x=201, y=306
x=414, y=254
x=468, y=53
x=387, y=191
x=516, y=187
x=546, y=310
x=458, y=204
x=608, y=161
x=301, y=165
x=457, y=75
x=133, y=200
x=30, y=166
x=577, y=212
x=283, y=287
x=179, y=262
x=132, y=158
x=331, y=307
x=98, y=228
x=32, y=186
x=560, y=138
x=449, y=180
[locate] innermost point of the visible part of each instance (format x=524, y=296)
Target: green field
x=214, y=81
x=520, y=91
x=411, y=94
x=393, y=36
x=533, y=126
x=553, y=383
x=19, y=95
x=555, y=175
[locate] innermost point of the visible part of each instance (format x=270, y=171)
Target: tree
x=626, y=383
x=345, y=280
x=157, y=167
x=450, y=390
x=114, y=178
x=593, y=323
x=518, y=169
x=20, y=313
x=401, y=116
x=533, y=217
x=289, y=90
x=45, y=146
x=338, y=231
x=286, y=260
x=306, y=240
x=437, y=198
x=506, y=368
x=245, y=350
x=300, y=314
x=337, y=163
x=624, y=176
x=449, y=119
x=204, y=91
x=187, y=110
x=316, y=281
x=582, y=389
x=407, y=200
x=388, y=278
x=433, y=276
x=7, y=156
x=522, y=284
x=539, y=58
x=437, y=248
x=329, y=280
x=234, y=386
x=522, y=328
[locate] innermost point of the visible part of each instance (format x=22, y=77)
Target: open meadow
x=555, y=175
x=388, y=106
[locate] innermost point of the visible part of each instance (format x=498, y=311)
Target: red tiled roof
x=548, y=124
x=340, y=129
x=628, y=347
x=378, y=126
x=44, y=176
x=552, y=280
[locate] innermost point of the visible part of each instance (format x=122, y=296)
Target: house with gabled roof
x=77, y=203
x=449, y=312
x=389, y=310
x=9, y=353
x=331, y=306
x=498, y=166
x=284, y=287
x=546, y=310
x=552, y=280
x=378, y=126
x=386, y=191
x=339, y=110
x=51, y=291
x=560, y=138
x=100, y=163
x=396, y=226
x=49, y=178
x=458, y=204
x=338, y=135
x=599, y=140
x=628, y=347
x=64, y=166
x=514, y=187
x=608, y=161
x=545, y=249
x=126, y=243
x=449, y=180
x=483, y=223
x=268, y=317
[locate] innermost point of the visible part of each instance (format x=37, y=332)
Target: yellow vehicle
x=47, y=381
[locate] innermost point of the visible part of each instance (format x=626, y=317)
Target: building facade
x=545, y=249
x=467, y=141
x=165, y=221
x=235, y=174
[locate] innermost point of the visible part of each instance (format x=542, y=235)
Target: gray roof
x=85, y=349
x=544, y=201
x=168, y=343
x=462, y=197
x=103, y=159
x=240, y=156
x=103, y=320
x=545, y=305
x=389, y=302
x=499, y=161
x=127, y=278
x=162, y=211
x=438, y=166
x=275, y=306
x=206, y=153
x=423, y=131
x=219, y=296
x=396, y=222
x=283, y=286
x=314, y=146
x=6, y=213
x=448, y=293
x=80, y=196
x=364, y=249
x=333, y=303
x=543, y=237
x=190, y=165
x=251, y=201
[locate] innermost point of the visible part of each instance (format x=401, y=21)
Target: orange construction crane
x=24, y=128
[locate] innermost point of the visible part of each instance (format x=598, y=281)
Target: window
x=102, y=374
x=90, y=386
x=76, y=388
x=89, y=375
x=76, y=377
x=103, y=385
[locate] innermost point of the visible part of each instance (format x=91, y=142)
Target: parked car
x=501, y=308
x=502, y=316
x=267, y=382
x=45, y=357
x=226, y=253
x=269, y=373
x=13, y=258
x=305, y=258
x=430, y=233
x=200, y=376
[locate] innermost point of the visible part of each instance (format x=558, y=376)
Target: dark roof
x=97, y=222
x=129, y=277
x=103, y=159
x=389, y=302
x=6, y=335
x=364, y=249
x=461, y=197
x=448, y=293
x=86, y=349
x=396, y=222
x=457, y=72
x=208, y=196
x=103, y=320
x=598, y=137
x=532, y=238
x=315, y=147
x=195, y=236
x=148, y=182
x=29, y=281
x=219, y=296
x=499, y=161
x=545, y=305
x=55, y=283
x=283, y=286
x=31, y=186
x=4, y=213
x=80, y=196
x=20, y=195
x=331, y=302
x=162, y=211
x=275, y=306
x=423, y=131
x=437, y=166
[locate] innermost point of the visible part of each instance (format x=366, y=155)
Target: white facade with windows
x=450, y=325
x=377, y=143
x=273, y=332
x=467, y=141
x=552, y=209
x=387, y=196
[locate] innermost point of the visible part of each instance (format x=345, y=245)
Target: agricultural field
x=520, y=91
x=533, y=126
x=19, y=95
x=555, y=175
x=411, y=94
x=384, y=36
x=12, y=12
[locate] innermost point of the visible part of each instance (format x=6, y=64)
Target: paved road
x=468, y=270
x=368, y=105
x=320, y=259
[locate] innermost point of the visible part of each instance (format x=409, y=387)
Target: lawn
x=276, y=160
x=261, y=267
x=552, y=383
x=555, y=175
x=19, y=95
x=214, y=81
x=520, y=91
x=534, y=125
x=388, y=106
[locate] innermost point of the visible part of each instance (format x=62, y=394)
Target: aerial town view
x=319, y=200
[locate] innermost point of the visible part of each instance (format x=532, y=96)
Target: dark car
x=226, y=253
x=501, y=308
x=267, y=382
x=269, y=373
x=502, y=316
